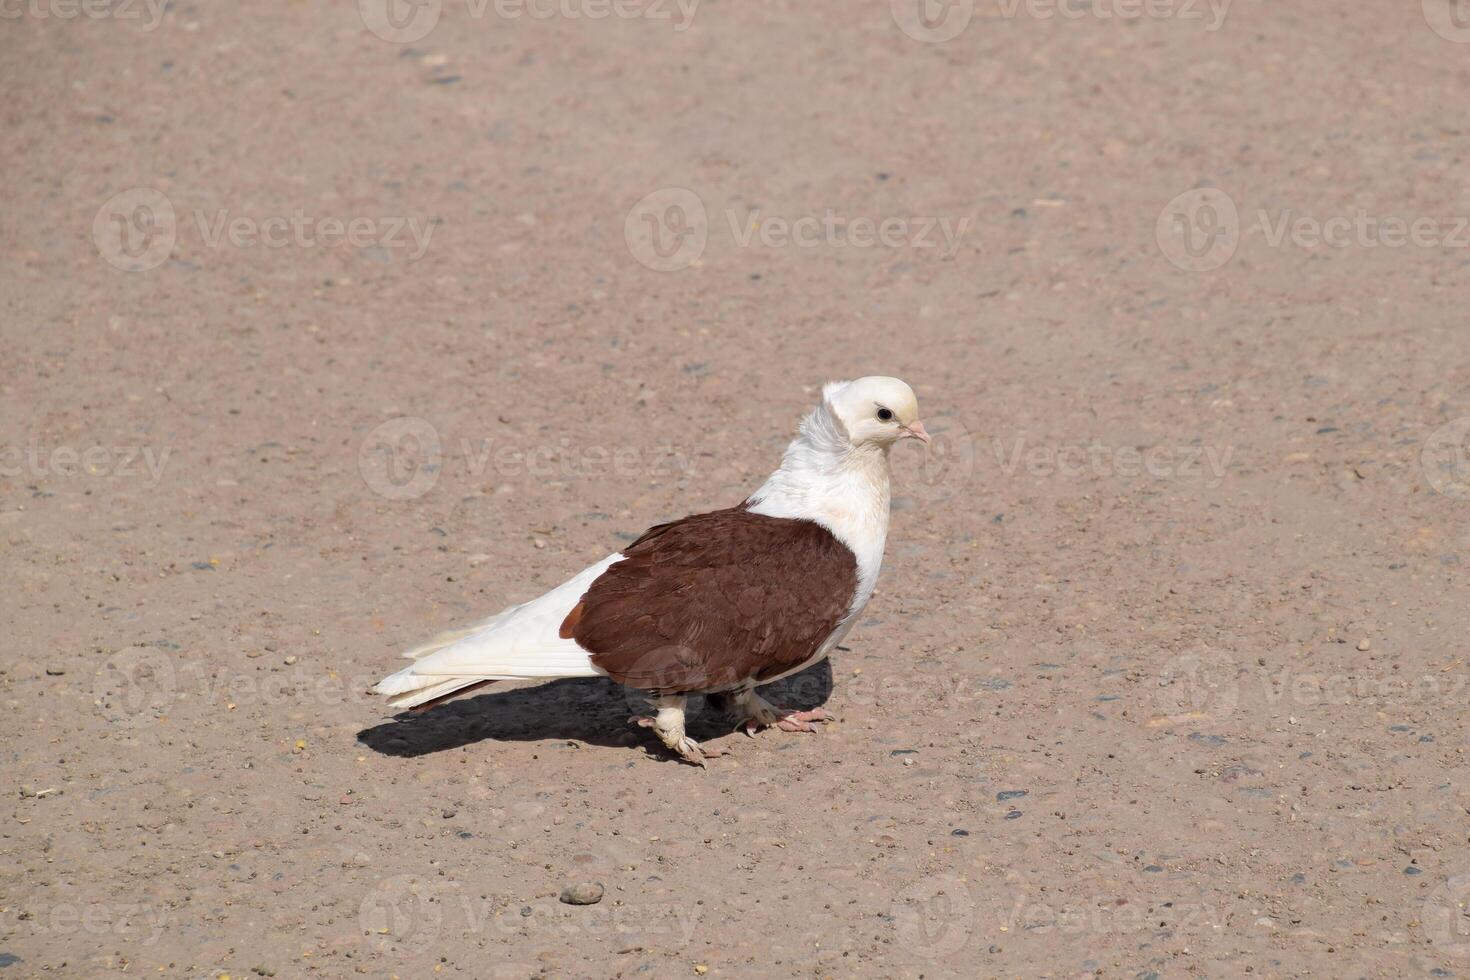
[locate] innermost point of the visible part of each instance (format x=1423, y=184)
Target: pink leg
x=800, y=721
x=760, y=713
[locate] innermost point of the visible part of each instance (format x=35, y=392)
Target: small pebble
x=55, y=671
x=290, y=660
x=1364, y=645
x=582, y=893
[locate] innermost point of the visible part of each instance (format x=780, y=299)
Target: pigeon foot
x=668, y=725
x=760, y=713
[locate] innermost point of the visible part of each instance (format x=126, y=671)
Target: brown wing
x=714, y=600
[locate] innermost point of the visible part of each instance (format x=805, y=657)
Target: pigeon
x=716, y=603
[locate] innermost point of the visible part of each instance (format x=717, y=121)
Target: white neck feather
x=844, y=488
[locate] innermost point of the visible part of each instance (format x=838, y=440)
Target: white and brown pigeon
x=716, y=603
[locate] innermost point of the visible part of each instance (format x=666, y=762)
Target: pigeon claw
x=672, y=735
x=692, y=752
x=801, y=721
x=786, y=719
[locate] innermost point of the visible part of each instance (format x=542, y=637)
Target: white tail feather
x=521, y=643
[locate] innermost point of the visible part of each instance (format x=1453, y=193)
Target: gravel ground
x=325, y=330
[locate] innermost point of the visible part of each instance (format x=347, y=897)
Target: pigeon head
x=875, y=411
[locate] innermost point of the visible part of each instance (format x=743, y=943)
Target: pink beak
x=917, y=430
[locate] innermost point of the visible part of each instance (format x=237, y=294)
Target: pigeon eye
x=885, y=415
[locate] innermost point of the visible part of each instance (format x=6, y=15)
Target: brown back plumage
x=714, y=600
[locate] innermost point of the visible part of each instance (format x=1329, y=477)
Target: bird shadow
x=590, y=710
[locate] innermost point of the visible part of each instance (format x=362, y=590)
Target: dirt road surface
x=330, y=326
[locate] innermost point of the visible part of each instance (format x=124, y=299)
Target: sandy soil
x=316, y=342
